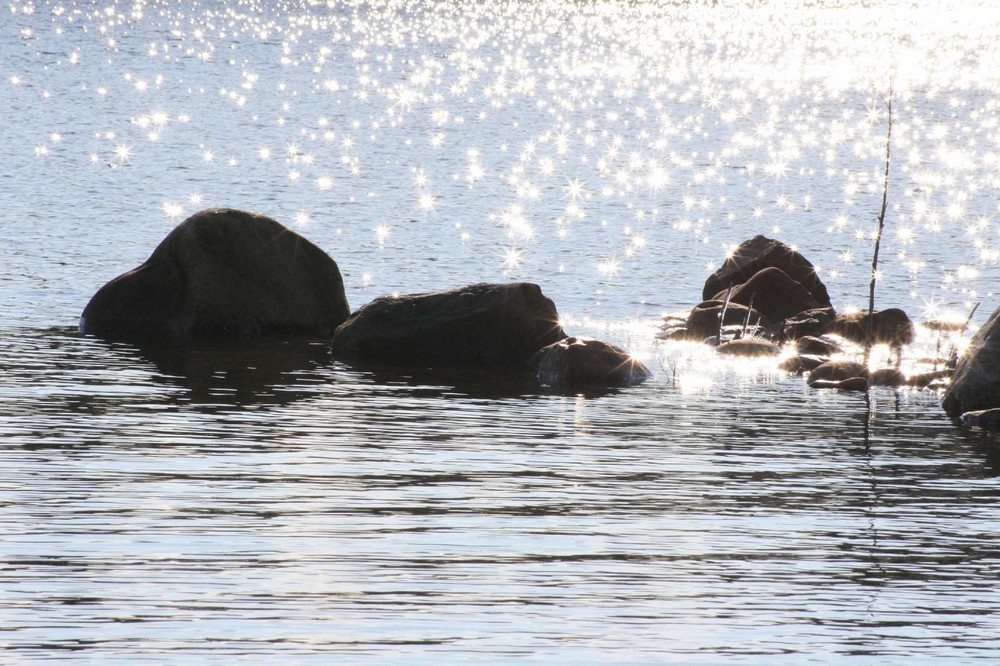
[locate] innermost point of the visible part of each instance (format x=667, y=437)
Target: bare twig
x=881, y=222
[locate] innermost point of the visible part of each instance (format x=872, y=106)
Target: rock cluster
x=226, y=273
x=767, y=294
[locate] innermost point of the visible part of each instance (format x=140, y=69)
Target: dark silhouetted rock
x=987, y=419
x=752, y=347
x=802, y=363
x=933, y=379
x=817, y=346
x=758, y=253
x=837, y=371
x=703, y=322
x=810, y=322
x=850, y=384
x=489, y=325
x=887, y=377
x=577, y=362
x=976, y=382
x=223, y=273
x=773, y=294
x=890, y=326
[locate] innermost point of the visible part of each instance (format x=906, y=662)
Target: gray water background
x=270, y=504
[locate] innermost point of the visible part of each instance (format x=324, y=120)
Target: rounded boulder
x=576, y=362
x=223, y=273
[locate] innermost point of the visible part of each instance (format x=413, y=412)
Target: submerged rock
x=758, y=253
x=976, y=382
x=490, y=325
x=223, y=273
x=575, y=362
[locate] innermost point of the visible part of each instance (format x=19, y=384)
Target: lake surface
x=266, y=503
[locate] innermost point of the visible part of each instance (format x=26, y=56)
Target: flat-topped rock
x=488, y=325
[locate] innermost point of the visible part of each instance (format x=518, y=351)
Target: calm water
x=268, y=504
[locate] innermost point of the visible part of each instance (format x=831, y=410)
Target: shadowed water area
x=265, y=502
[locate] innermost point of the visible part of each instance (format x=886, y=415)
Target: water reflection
x=155, y=502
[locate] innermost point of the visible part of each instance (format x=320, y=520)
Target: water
x=269, y=503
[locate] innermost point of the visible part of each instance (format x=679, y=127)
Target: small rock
x=810, y=322
x=817, y=346
x=887, y=377
x=753, y=347
x=704, y=318
x=927, y=379
x=576, y=362
x=890, y=326
x=838, y=371
x=852, y=384
x=802, y=363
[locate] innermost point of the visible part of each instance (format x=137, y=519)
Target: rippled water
x=267, y=503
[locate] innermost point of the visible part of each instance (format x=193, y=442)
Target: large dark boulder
x=489, y=325
x=772, y=293
x=758, y=253
x=578, y=362
x=223, y=273
x=890, y=326
x=976, y=382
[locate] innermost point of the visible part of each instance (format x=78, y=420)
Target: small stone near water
x=222, y=273
x=943, y=325
x=753, y=347
x=703, y=321
x=497, y=326
x=887, y=377
x=817, y=346
x=578, y=362
x=802, y=363
x=810, y=322
x=851, y=384
x=891, y=326
x=929, y=379
x=838, y=371
x=987, y=419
